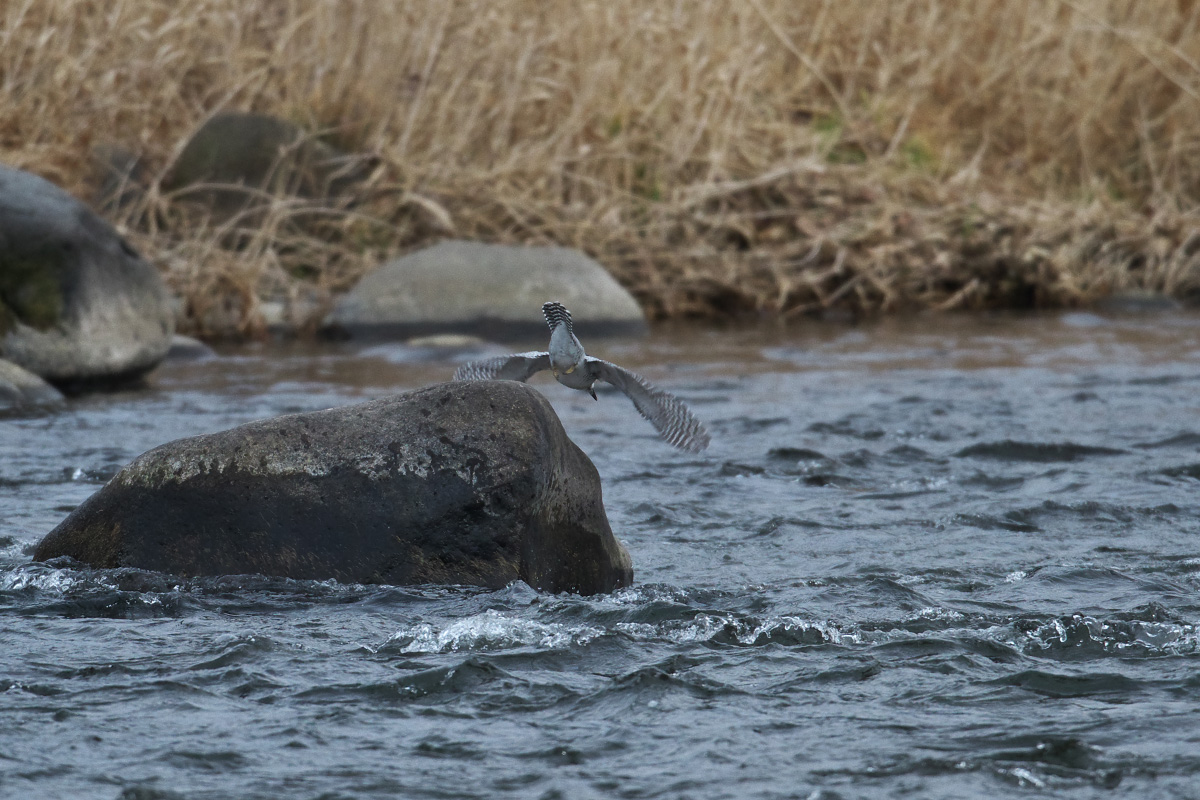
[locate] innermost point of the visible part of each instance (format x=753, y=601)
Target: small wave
x=1053, y=684
x=216, y=761
x=1080, y=637
x=907, y=454
x=490, y=630
x=645, y=594
x=675, y=673
x=775, y=524
x=1031, y=519
x=909, y=487
x=467, y=680
x=1189, y=471
x=1185, y=439
x=1047, y=762
x=731, y=469
x=1160, y=380
x=743, y=632
x=794, y=454
x=233, y=649
x=1036, y=452
x=71, y=592
x=846, y=427
x=996, y=483
x=830, y=480
x=38, y=577
x=751, y=425
x=1014, y=521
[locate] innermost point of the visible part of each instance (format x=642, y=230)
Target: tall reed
x=721, y=157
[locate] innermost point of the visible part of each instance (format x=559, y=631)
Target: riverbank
x=765, y=158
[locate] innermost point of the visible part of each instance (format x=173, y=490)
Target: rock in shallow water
x=78, y=305
x=488, y=289
x=21, y=390
x=468, y=483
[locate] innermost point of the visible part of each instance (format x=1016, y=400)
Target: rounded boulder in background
x=78, y=305
x=484, y=289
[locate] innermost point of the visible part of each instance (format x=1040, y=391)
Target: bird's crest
x=556, y=314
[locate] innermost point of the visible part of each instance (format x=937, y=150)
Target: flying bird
x=574, y=368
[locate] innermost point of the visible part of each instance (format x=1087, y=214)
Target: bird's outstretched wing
x=513, y=367
x=672, y=419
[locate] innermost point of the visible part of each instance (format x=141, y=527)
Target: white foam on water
x=938, y=614
x=640, y=595
x=1156, y=638
x=830, y=632
x=12, y=552
x=491, y=630
x=1025, y=777
x=38, y=577
x=706, y=626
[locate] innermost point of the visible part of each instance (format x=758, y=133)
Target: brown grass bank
x=735, y=156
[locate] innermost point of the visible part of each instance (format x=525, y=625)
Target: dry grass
x=771, y=156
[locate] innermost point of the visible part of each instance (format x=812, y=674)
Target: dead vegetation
x=776, y=157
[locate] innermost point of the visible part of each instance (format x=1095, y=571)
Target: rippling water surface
x=941, y=558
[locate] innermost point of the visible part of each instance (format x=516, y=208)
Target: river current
x=937, y=558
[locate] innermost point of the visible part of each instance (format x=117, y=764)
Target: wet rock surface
x=487, y=289
x=464, y=483
x=78, y=306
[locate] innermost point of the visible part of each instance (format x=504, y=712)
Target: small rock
x=484, y=289
x=448, y=341
x=21, y=390
x=286, y=315
x=78, y=306
x=1136, y=302
x=185, y=348
x=462, y=483
x=437, y=348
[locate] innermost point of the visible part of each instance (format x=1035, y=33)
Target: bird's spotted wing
x=513, y=367
x=556, y=314
x=672, y=419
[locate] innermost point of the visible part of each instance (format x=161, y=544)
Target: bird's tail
x=556, y=314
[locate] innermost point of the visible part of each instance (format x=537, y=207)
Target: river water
x=938, y=558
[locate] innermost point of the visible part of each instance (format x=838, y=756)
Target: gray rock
x=235, y=157
x=467, y=483
x=185, y=348
x=21, y=390
x=1137, y=302
x=484, y=289
x=78, y=305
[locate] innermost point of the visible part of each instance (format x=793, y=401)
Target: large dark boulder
x=78, y=305
x=467, y=482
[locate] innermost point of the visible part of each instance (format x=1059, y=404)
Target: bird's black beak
x=592, y=392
